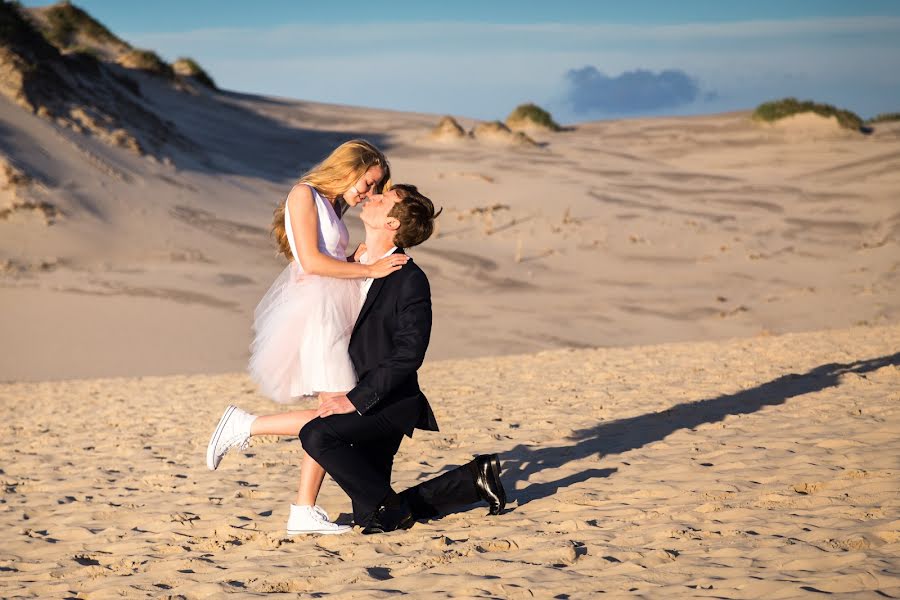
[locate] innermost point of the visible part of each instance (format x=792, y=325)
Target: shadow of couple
x=622, y=435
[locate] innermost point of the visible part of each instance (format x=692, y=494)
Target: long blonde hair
x=347, y=162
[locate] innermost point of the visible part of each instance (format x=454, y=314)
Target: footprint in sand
x=808, y=488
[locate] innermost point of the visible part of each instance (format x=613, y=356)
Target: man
x=357, y=434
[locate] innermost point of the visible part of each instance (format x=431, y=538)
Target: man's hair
x=416, y=215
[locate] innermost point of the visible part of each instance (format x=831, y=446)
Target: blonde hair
x=347, y=162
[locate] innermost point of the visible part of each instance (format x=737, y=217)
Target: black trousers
x=358, y=453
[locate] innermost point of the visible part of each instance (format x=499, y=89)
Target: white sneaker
x=233, y=430
x=312, y=519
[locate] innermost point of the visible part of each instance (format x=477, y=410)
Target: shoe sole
x=495, y=474
x=401, y=527
x=317, y=531
x=211, y=447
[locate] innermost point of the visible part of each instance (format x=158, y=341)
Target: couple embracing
x=351, y=332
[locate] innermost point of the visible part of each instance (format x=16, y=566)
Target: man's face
x=375, y=211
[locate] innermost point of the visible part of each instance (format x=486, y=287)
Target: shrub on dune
x=885, y=118
x=146, y=60
x=188, y=67
x=786, y=107
x=65, y=21
x=531, y=116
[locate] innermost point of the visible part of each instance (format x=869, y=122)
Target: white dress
x=302, y=325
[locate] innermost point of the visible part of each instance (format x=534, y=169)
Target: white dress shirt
x=367, y=282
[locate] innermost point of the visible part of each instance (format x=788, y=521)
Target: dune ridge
x=619, y=233
x=605, y=234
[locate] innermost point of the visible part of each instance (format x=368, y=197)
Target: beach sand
x=764, y=467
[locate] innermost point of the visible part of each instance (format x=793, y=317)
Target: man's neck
x=378, y=243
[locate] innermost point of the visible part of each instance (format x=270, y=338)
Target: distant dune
x=134, y=216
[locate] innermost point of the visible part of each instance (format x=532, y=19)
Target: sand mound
x=448, y=130
x=811, y=126
x=72, y=30
x=75, y=90
x=495, y=132
x=809, y=122
x=786, y=107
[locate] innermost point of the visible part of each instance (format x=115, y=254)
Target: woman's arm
x=305, y=223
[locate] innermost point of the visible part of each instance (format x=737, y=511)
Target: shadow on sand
x=240, y=134
x=616, y=437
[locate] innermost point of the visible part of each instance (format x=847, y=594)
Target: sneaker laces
x=241, y=441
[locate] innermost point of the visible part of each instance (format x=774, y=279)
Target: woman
x=303, y=323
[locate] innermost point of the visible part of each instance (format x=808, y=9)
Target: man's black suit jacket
x=388, y=345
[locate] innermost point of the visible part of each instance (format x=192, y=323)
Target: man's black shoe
x=394, y=513
x=486, y=473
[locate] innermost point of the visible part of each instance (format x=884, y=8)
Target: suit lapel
x=374, y=290
x=370, y=300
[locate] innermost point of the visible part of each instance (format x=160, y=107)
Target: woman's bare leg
x=290, y=423
x=311, y=477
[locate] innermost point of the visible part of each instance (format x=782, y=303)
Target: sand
x=680, y=334
x=610, y=234
x=749, y=468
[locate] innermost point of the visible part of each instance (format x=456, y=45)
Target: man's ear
x=392, y=223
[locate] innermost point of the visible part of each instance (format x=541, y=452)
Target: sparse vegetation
x=779, y=109
x=87, y=51
x=14, y=28
x=26, y=60
x=103, y=103
x=65, y=21
x=188, y=67
x=885, y=118
x=531, y=114
x=147, y=60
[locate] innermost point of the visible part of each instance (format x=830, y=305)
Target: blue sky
x=581, y=60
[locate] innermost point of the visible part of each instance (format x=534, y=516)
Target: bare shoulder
x=300, y=197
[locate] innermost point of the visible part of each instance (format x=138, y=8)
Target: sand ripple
x=760, y=468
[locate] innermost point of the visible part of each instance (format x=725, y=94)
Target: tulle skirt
x=302, y=330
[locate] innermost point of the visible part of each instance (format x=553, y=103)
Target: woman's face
x=363, y=186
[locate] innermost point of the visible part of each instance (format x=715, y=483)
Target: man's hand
x=334, y=404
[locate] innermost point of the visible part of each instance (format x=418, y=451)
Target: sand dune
x=754, y=468
x=605, y=234
x=615, y=233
